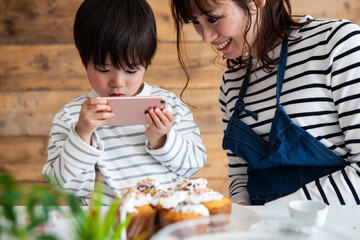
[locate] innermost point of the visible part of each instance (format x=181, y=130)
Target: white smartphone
x=131, y=110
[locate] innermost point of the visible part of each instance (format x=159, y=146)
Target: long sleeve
x=342, y=187
x=183, y=152
x=71, y=162
x=237, y=170
x=320, y=95
x=120, y=156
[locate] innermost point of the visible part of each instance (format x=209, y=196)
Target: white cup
x=310, y=212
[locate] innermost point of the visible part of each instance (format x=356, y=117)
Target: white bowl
x=311, y=212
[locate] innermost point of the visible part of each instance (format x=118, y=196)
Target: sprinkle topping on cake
x=169, y=199
x=149, y=185
x=191, y=184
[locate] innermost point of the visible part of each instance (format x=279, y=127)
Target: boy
x=116, y=40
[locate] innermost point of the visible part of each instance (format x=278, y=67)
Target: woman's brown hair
x=271, y=23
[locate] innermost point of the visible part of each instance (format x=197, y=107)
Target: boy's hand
x=94, y=113
x=160, y=123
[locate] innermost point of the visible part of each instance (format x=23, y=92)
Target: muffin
x=137, y=205
x=183, y=211
x=214, y=201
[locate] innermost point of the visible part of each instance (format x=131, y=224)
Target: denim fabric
x=291, y=158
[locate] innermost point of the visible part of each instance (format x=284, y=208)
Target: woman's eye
x=212, y=20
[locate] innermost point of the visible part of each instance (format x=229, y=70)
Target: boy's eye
x=131, y=71
x=195, y=22
x=102, y=70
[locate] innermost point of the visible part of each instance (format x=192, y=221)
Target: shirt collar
x=146, y=91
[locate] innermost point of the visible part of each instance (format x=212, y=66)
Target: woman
x=289, y=99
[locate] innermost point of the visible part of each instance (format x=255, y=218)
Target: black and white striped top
x=321, y=94
x=121, y=155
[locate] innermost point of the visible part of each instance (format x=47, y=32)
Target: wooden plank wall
x=40, y=71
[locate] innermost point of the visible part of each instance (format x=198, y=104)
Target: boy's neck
x=140, y=89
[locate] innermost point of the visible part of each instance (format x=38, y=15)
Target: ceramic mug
x=311, y=212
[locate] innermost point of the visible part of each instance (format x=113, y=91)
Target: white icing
x=192, y=208
x=131, y=199
x=204, y=196
x=169, y=199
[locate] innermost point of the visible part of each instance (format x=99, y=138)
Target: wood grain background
x=40, y=71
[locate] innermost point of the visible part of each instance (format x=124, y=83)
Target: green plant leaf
x=9, y=197
x=111, y=217
x=46, y=237
x=120, y=227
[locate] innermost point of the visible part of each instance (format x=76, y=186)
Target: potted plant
x=11, y=223
x=92, y=222
x=95, y=223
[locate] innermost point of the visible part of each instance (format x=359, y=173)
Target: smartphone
x=131, y=110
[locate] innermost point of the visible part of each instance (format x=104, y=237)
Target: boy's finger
x=163, y=118
x=97, y=101
x=168, y=114
x=148, y=118
x=155, y=118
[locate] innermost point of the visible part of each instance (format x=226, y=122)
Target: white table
x=345, y=219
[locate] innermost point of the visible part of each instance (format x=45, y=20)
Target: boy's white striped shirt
x=120, y=155
x=320, y=94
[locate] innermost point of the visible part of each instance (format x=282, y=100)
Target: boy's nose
x=117, y=80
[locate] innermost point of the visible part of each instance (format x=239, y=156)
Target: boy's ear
x=261, y=3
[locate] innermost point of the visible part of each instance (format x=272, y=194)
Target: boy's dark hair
x=124, y=30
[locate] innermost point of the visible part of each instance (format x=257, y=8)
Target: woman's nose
x=208, y=35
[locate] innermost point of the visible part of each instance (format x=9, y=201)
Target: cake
x=198, y=192
x=220, y=206
x=152, y=206
x=142, y=223
x=215, y=202
x=183, y=211
x=167, y=199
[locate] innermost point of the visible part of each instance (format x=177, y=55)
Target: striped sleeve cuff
x=78, y=153
x=167, y=149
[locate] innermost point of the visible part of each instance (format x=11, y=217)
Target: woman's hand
x=160, y=123
x=94, y=113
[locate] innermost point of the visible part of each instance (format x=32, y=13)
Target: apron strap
x=282, y=67
x=240, y=105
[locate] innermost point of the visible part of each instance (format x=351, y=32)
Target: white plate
x=247, y=226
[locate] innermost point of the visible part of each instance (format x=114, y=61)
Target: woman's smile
x=223, y=45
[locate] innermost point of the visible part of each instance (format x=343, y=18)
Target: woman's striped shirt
x=121, y=155
x=321, y=94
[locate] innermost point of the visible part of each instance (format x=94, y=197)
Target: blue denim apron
x=291, y=158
